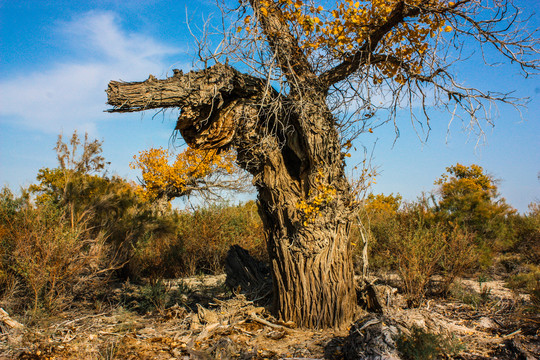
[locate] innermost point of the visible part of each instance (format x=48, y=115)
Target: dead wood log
x=372, y=338
x=247, y=274
x=368, y=298
x=8, y=321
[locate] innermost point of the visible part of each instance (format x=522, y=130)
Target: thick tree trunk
x=303, y=200
x=292, y=149
x=314, y=289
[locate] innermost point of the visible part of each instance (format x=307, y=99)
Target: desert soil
x=207, y=321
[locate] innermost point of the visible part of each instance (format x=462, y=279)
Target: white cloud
x=71, y=94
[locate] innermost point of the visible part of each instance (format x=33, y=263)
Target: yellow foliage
x=346, y=28
x=469, y=197
x=161, y=178
x=318, y=198
x=384, y=205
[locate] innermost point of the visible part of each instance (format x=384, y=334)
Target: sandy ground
x=208, y=322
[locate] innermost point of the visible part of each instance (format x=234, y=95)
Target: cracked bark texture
x=286, y=143
x=290, y=143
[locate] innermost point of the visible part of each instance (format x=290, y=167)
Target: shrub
x=423, y=345
x=208, y=233
x=528, y=282
x=527, y=228
x=409, y=238
x=44, y=254
x=379, y=219
x=458, y=258
x=419, y=248
x=469, y=197
x=158, y=252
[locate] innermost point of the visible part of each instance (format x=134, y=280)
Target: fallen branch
x=6, y=319
x=265, y=322
x=512, y=334
x=65, y=323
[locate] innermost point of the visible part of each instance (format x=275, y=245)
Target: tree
x=468, y=197
x=381, y=205
x=72, y=183
x=205, y=172
x=313, y=82
x=102, y=207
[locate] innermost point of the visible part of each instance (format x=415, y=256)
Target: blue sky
x=56, y=58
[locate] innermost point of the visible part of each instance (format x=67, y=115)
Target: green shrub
x=418, y=247
x=423, y=345
x=468, y=197
x=527, y=229
x=457, y=259
x=412, y=240
x=528, y=282
x=470, y=296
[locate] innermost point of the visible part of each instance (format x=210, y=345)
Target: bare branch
x=194, y=90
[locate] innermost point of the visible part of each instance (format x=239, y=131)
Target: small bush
x=528, y=282
x=423, y=345
x=527, y=228
x=458, y=258
x=417, y=262
x=43, y=254
x=419, y=247
x=470, y=296
x=380, y=217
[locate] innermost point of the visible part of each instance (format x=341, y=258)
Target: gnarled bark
x=290, y=143
x=293, y=153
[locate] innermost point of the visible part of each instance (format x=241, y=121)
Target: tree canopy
x=469, y=198
x=386, y=55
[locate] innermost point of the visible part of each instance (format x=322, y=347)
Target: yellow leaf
x=264, y=11
x=448, y=28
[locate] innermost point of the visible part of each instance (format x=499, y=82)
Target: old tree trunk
x=289, y=140
x=289, y=143
x=292, y=150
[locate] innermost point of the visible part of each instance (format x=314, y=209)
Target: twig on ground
x=264, y=322
x=512, y=334
x=6, y=319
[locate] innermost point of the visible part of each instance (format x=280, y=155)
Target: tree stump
x=247, y=275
